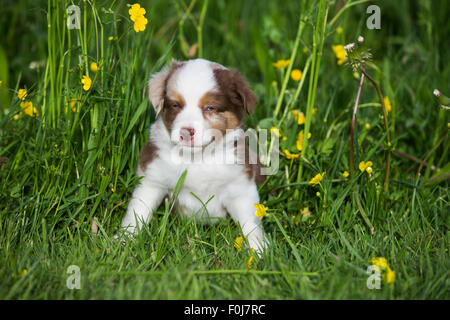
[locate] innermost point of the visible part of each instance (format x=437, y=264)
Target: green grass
x=63, y=169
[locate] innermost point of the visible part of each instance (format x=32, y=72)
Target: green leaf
x=266, y=123
x=4, y=96
x=140, y=110
x=326, y=147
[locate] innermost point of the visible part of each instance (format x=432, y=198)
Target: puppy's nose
x=187, y=133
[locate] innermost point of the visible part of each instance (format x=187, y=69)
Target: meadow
x=364, y=167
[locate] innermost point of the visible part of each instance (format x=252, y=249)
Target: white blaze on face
x=192, y=81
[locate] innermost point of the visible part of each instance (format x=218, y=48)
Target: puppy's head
x=199, y=101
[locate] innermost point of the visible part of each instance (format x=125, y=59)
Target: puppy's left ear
x=236, y=88
x=247, y=96
x=157, y=86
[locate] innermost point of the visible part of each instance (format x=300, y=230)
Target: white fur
x=222, y=186
x=192, y=81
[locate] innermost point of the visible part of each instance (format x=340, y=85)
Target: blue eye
x=209, y=108
x=176, y=106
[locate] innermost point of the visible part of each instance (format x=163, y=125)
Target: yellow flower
x=339, y=30
x=298, y=116
x=305, y=212
x=94, y=67
x=388, y=273
x=367, y=126
x=136, y=11
x=140, y=23
x=275, y=131
x=281, y=64
x=289, y=155
x=260, y=210
x=369, y=170
x=301, y=118
x=238, y=243
x=345, y=174
x=87, y=82
x=110, y=38
x=387, y=104
x=137, y=15
x=27, y=108
x=73, y=102
x=22, y=94
x=24, y=272
x=300, y=140
x=249, y=263
x=380, y=262
x=317, y=178
x=340, y=53
x=389, y=276
x=296, y=75
x=363, y=166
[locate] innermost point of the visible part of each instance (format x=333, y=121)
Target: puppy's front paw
x=259, y=244
x=125, y=234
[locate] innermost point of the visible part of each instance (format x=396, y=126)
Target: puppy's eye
x=209, y=108
x=176, y=106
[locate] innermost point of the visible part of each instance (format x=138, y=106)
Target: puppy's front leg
x=241, y=209
x=146, y=198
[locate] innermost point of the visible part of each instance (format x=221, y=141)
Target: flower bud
x=350, y=47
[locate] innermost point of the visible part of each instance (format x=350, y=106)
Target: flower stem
x=361, y=210
x=424, y=161
x=414, y=159
x=301, y=25
x=297, y=92
x=318, y=41
x=386, y=128
x=422, y=164
x=352, y=130
x=200, y=28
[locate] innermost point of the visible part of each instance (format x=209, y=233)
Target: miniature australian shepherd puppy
x=200, y=106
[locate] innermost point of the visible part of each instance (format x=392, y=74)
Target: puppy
x=200, y=106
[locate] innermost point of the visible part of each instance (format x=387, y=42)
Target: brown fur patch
x=224, y=116
x=234, y=87
x=253, y=171
x=147, y=155
x=170, y=112
x=237, y=96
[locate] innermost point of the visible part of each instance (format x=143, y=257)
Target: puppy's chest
x=204, y=179
x=205, y=173
x=204, y=188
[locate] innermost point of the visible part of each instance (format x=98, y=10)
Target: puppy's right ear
x=157, y=86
